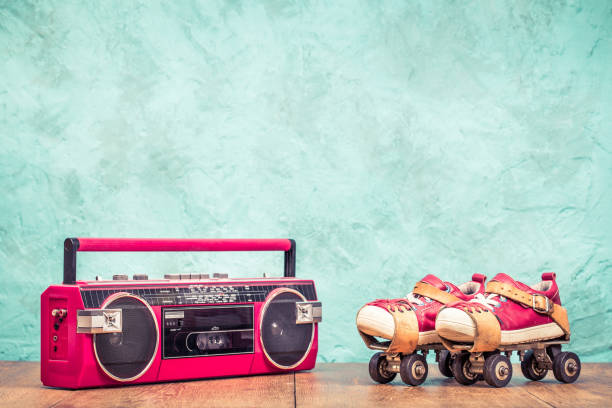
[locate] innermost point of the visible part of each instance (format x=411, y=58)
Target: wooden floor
x=329, y=385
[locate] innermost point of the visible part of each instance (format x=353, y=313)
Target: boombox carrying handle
x=72, y=245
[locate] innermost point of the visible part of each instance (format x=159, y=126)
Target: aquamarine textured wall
x=390, y=138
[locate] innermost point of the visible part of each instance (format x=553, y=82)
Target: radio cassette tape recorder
x=185, y=326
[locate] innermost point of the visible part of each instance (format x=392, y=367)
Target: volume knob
x=140, y=276
x=120, y=277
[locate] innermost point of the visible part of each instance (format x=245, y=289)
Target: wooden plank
x=328, y=385
x=20, y=386
x=350, y=385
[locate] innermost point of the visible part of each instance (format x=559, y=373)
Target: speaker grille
x=127, y=355
x=285, y=343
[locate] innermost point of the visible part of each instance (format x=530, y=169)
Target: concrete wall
x=390, y=139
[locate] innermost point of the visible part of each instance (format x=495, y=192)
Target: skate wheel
x=530, y=369
x=413, y=369
x=497, y=370
x=461, y=369
x=445, y=359
x=378, y=369
x=566, y=367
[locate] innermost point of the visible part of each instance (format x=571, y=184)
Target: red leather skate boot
x=510, y=316
x=510, y=312
x=396, y=327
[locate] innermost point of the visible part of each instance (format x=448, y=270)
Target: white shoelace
x=489, y=301
x=412, y=298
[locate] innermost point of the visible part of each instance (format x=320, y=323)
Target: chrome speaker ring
x=107, y=304
x=271, y=297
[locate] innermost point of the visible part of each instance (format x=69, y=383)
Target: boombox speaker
x=185, y=326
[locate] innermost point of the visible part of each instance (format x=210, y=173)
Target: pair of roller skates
x=473, y=330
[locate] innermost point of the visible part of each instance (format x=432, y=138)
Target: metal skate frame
x=394, y=359
x=539, y=350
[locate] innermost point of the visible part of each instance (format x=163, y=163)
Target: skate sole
x=465, y=332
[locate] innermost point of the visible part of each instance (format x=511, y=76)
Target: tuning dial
x=140, y=276
x=220, y=275
x=120, y=277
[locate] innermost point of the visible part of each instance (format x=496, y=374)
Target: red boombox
x=186, y=326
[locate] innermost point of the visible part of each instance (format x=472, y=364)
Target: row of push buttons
x=174, y=276
x=192, y=276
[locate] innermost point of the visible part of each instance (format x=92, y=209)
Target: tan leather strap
x=488, y=330
x=539, y=303
x=430, y=291
x=405, y=336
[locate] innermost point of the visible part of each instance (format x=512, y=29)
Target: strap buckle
x=547, y=309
